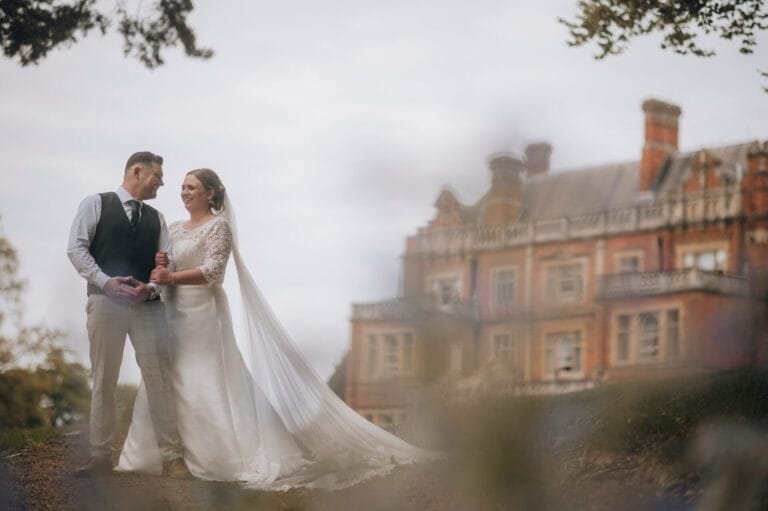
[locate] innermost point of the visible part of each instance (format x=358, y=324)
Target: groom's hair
x=143, y=158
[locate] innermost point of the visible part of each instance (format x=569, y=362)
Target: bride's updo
x=211, y=182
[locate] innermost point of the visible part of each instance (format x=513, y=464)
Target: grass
x=14, y=440
x=17, y=439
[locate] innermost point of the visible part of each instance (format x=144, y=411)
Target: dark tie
x=135, y=209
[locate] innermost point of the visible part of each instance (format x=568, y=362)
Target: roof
x=600, y=188
x=733, y=162
x=580, y=192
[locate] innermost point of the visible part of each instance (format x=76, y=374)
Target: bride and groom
x=200, y=409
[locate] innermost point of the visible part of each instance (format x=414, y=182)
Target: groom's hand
x=121, y=289
x=138, y=291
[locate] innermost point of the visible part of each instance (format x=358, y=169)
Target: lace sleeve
x=218, y=245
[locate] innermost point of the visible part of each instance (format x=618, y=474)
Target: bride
x=275, y=425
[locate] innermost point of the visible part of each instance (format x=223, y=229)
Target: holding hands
x=161, y=275
x=130, y=291
x=127, y=290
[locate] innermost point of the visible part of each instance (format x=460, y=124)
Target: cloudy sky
x=334, y=126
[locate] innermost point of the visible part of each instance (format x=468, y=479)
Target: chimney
x=505, y=167
x=503, y=201
x=754, y=183
x=660, y=139
x=537, y=158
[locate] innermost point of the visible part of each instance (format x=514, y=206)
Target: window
x=390, y=354
x=623, y=334
x=407, y=353
x=563, y=354
x=647, y=337
x=503, y=350
x=565, y=283
x=707, y=260
x=648, y=342
x=673, y=333
x=504, y=284
x=629, y=264
x=447, y=290
x=373, y=356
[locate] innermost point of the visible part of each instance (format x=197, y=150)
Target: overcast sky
x=334, y=126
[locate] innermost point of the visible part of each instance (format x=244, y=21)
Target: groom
x=112, y=244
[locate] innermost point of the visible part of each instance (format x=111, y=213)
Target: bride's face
x=194, y=195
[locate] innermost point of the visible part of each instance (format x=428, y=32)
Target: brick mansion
x=558, y=281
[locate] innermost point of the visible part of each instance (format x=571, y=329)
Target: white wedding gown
x=275, y=426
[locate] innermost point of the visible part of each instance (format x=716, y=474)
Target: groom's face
x=150, y=180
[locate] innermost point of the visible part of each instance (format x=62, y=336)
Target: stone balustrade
x=675, y=210
x=654, y=283
x=410, y=308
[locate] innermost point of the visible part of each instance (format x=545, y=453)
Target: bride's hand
x=161, y=259
x=161, y=276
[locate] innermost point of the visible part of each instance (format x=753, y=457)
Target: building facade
x=557, y=281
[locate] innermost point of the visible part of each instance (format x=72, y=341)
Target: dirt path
x=43, y=480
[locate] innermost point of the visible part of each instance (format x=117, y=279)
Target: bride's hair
x=211, y=182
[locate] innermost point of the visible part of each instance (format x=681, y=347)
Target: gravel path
x=40, y=478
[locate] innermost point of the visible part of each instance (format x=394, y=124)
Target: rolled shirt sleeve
x=80, y=237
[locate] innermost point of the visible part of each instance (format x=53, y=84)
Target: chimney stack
x=754, y=183
x=505, y=167
x=537, y=158
x=503, y=201
x=661, y=121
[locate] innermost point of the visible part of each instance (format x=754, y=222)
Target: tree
x=55, y=392
x=29, y=29
x=613, y=23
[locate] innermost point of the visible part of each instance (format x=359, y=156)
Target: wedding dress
x=273, y=425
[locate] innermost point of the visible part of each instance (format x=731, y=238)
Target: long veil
x=344, y=448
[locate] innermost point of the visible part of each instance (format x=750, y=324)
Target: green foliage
x=52, y=393
x=17, y=439
x=612, y=23
x=29, y=29
x=10, y=294
x=663, y=416
x=66, y=389
x=21, y=399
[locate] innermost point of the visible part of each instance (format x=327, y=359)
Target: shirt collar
x=124, y=196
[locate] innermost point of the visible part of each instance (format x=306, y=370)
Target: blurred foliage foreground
x=39, y=383
x=700, y=438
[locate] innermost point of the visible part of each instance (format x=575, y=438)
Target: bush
x=53, y=394
x=665, y=415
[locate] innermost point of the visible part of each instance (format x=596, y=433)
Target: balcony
x=626, y=285
x=410, y=308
